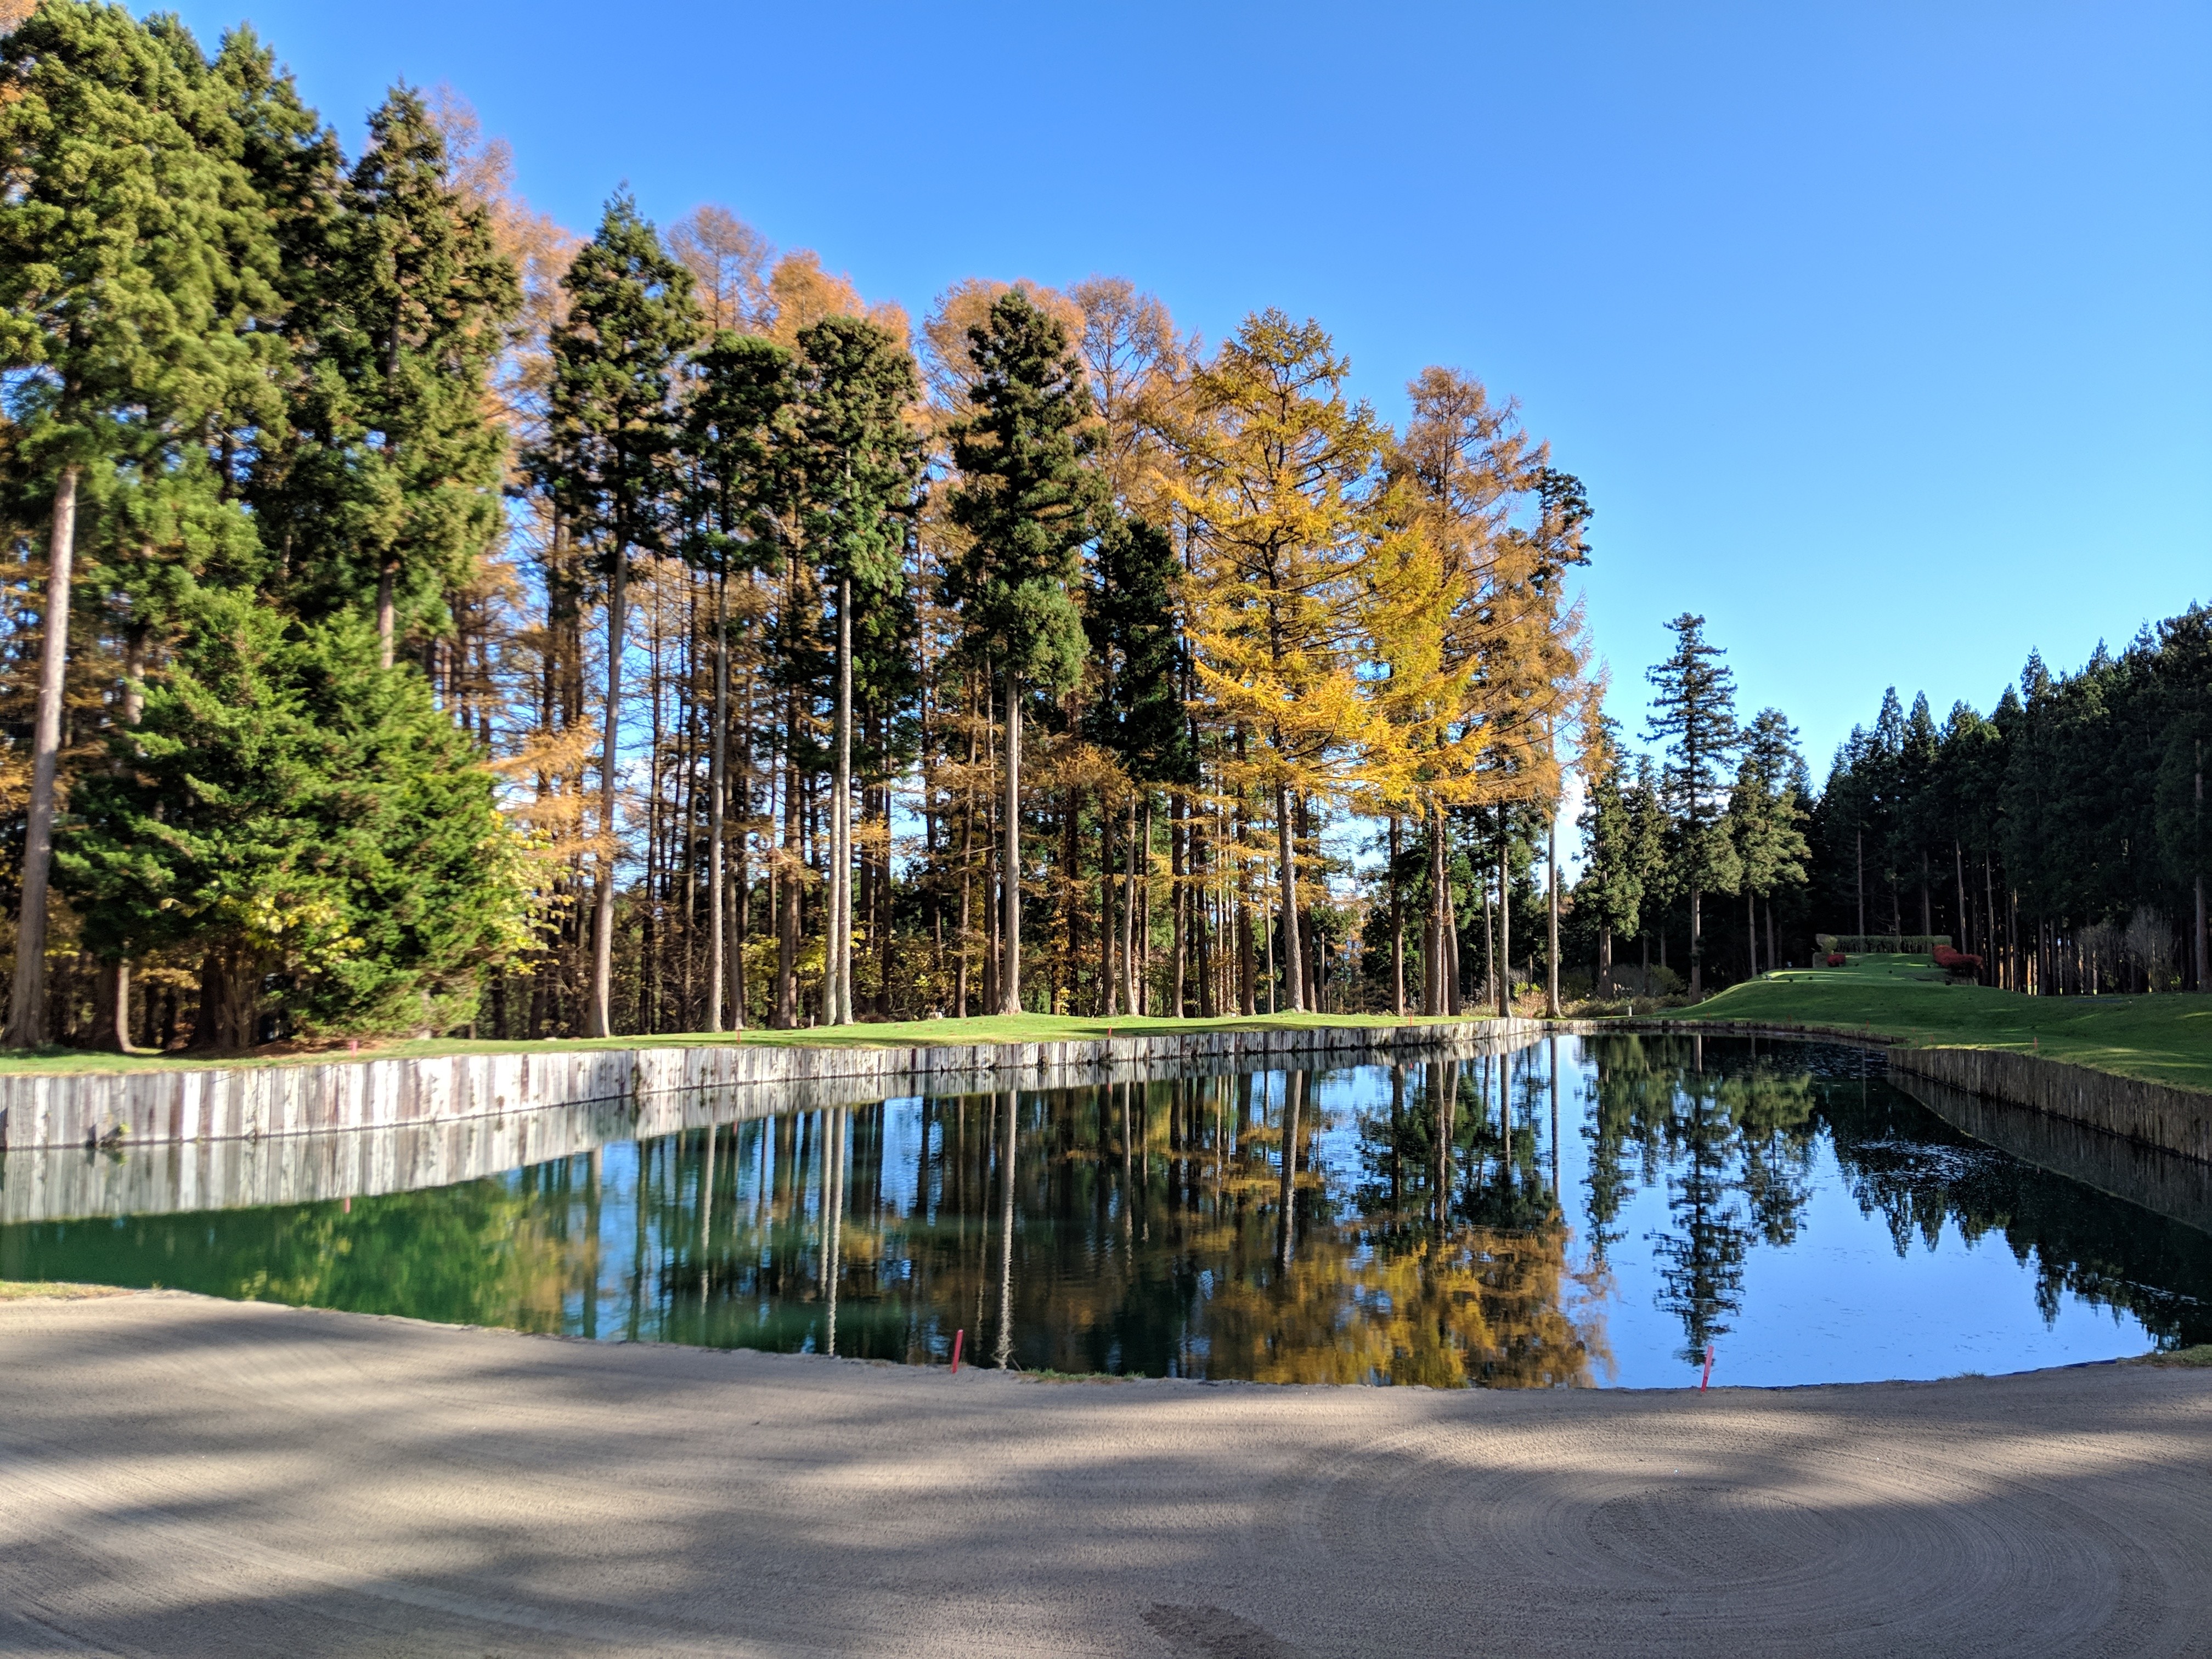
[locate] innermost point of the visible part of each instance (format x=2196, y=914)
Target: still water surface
x=1584, y=1211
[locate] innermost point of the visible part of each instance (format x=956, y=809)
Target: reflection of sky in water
x=1808, y=1177
x=1839, y=1304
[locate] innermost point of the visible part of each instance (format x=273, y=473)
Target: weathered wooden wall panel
x=146, y=1109
x=2154, y=1114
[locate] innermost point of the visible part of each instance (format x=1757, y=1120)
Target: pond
x=1582, y=1211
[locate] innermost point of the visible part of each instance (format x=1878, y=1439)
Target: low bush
x=1958, y=963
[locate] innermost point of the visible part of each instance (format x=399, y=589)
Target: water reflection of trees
x=1400, y=1226
x=1917, y=1172
x=1202, y=1227
x=1734, y=1147
x=1733, y=1131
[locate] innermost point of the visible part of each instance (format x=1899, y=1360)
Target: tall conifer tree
x=739, y=463
x=423, y=298
x=1030, y=505
x=861, y=465
x=610, y=460
x=1693, y=712
x=130, y=253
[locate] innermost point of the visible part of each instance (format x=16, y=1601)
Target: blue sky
x=1881, y=334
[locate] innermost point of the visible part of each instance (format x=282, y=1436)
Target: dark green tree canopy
x=862, y=462
x=1028, y=502
x=612, y=424
x=288, y=799
x=741, y=481
x=1138, y=713
x=137, y=294
x=1693, y=714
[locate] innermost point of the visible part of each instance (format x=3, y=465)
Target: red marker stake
x=958, y=1337
x=1708, y=1376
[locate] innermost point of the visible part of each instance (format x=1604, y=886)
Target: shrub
x=1836, y=958
x=1958, y=963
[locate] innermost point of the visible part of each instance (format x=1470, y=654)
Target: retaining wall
x=148, y=1109
x=2152, y=1114
x=2177, y=1187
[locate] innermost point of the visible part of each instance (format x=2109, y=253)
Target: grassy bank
x=998, y=1028
x=2166, y=1039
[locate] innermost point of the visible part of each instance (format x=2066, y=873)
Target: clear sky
x=1880, y=333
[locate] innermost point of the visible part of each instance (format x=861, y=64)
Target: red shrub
x=1957, y=961
x=1835, y=958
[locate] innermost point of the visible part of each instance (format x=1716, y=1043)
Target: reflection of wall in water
x=2172, y=1185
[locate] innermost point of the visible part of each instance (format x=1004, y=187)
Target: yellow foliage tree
x=1275, y=481
x=1479, y=645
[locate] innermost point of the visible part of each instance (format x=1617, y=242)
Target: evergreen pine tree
x=1028, y=505
x=1693, y=712
x=739, y=473
x=1131, y=624
x=608, y=459
x=861, y=465
x=1611, y=892
x=306, y=817
x=1764, y=821
x=132, y=264
x=406, y=321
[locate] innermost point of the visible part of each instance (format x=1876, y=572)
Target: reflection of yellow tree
x=480, y=1253
x=1479, y=1307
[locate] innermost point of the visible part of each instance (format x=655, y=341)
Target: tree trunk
x=1858, y=850
x=1432, y=925
x=602, y=921
x=717, y=788
x=2202, y=983
x=1135, y=847
x=388, y=583
x=229, y=987
x=1453, y=982
x=1293, y=958
x=1109, y=989
x=110, y=1007
x=966, y=876
x=26, y=1011
x=1397, y=931
x=1504, y=920
x=1010, y=987
x=1178, y=901
x=1696, y=942
x=837, y=963
x=787, y=879
x=1552, y=888
x=741, y=897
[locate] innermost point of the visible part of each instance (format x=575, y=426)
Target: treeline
x=2060, y=837
x=1699, y=843
x=425, y=619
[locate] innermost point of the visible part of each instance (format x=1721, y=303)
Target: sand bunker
x=183, y=1476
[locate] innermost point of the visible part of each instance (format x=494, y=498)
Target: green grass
x=2201, y=1355
x=16, y=1290
x=916, y=1033
x=2166, y=1039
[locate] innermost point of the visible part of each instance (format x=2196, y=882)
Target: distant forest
x=423, y=618
x=2060, y=838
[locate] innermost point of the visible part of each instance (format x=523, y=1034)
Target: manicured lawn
x=2167, y=1039
x=1020, y=1028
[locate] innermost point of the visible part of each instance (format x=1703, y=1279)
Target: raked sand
x=182, y=1476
